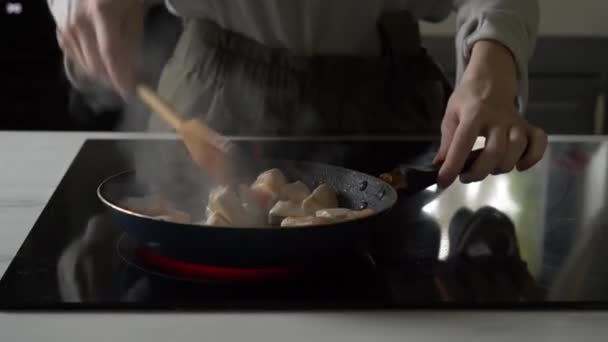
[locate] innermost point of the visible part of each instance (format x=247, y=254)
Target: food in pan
x=282, y=203
x=156, y=206
x=226, y=202
x=267, y=187
x=294, y=192
x=270, y=201
x=284, y=209
x=216, y=219
x=326, y=216
x=304, y=221
x=323, y=197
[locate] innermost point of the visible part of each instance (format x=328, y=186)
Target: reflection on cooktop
x=471, y=246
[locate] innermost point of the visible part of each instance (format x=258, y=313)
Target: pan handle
x=412, y=179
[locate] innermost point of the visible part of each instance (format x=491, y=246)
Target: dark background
x=568, y=77
x=34, y=91
x=567, y=82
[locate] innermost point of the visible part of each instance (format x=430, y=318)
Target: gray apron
x=241, y=87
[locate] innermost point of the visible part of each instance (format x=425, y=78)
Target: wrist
x=491, y=62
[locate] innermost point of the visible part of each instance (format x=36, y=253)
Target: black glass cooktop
x=523, y=240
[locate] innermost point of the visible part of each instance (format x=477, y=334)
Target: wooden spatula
x=211, y=151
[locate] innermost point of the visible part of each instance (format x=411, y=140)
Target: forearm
x=80, y=25
x=511, y=24
x=491, y=62
x=60, y=9
x=75, y=65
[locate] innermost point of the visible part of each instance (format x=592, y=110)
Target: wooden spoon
x=209, y=150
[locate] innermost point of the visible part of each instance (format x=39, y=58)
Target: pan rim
x=129, y=212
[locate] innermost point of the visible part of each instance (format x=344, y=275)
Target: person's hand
x=104, y=38
x=483, y=104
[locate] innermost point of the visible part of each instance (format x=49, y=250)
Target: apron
x=241, y=87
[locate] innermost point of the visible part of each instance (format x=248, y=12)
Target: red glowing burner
x=181, y=269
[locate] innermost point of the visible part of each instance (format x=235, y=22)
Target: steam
x=246, y=104
x=161, y=166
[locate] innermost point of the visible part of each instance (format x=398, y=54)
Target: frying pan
x=266, y=246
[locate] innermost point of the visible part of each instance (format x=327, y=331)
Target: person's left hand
x=483, y=104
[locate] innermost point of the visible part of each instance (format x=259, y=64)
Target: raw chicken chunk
x=343, y=214
x=208, y=212
x=152, y=205
x=337, y=214
x=284, y=209
x=175, y=215
x=265, y=198
x=226, y=202
x=358, y=214
x=270, y=200
x=267, y=187
x=216, y=219
x=326, y=216
x=272, y=181
x=157, y=207
x=256, y=212
x=304, y=221
x=323, y=197
x=295, y=192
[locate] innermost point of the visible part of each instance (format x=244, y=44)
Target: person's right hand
x=104, y=38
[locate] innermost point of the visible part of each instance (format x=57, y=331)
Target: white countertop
x=31, y=166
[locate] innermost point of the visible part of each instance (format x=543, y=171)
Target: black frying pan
x=256, y=246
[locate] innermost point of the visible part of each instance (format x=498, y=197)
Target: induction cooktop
x=519, y=241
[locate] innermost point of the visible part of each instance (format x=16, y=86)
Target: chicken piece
x=267, y=187
x=257, y=213
x=359, y=214
x=335, y=214
x=326, y=216
x=176, y=216
x=216, y=219
x=273, y=180
x=164, y=218
x=248, y=198
x=343, y=214
x=208, y=212
x=284, y=209
x=202, y=222
x=156, y=206
x=226, y=202
x=152, y=205
x=181, y=216
x=266, y=199
x=323, y=197
x=304, y=221
x=165, y=211
x=295, y=192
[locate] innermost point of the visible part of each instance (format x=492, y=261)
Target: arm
x=494, y=41
x=60, y=9
x=101, y=41
x=99, y=96
x=512, y=24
